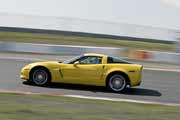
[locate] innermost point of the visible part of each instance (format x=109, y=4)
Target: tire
x=117, y=83
x=40, y=77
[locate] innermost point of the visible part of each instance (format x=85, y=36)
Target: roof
x=94, y=54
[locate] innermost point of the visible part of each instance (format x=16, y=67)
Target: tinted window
x=116, y=60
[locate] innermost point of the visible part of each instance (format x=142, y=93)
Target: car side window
x=91, y=60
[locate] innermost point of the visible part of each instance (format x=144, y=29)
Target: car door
x=87, y=70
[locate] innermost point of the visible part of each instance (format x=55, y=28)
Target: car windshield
x=69, y=61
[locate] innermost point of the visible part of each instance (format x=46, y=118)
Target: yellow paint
x=87, y=74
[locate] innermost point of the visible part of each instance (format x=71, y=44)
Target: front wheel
x=40, y=77
x=117, y=83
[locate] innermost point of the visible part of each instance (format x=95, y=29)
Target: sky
x=156, y=13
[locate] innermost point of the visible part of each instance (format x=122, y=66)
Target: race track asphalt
x=159, y=86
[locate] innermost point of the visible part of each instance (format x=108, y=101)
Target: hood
x=45, y=63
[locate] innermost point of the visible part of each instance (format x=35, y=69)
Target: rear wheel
x=40, y=76
x=117, y=83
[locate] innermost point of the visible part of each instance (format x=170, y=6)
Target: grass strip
x=74, y=40
x=41, y=107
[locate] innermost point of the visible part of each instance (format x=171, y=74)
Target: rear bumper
x=136, y=79
x=140, y=76
x=139, y=83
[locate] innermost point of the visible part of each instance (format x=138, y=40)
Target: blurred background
x=136, y=30
x=146, y=32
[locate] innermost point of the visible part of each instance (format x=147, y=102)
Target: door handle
x=103, y=66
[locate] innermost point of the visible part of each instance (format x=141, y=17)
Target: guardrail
x=143, y=55
x=57, y=49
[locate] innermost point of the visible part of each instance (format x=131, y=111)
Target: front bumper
x=24, y=74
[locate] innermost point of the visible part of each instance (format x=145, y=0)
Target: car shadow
x=128, y=91
x=142, y=92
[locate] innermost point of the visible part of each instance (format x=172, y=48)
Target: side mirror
x=76, y=63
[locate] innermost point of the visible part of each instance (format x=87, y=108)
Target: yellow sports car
x=86, y=69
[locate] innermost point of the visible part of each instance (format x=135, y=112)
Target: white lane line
x=122, y=100
x=21, y=58
x=38, y=59
x=161, y=69
x=74, y=46
x=93, y=98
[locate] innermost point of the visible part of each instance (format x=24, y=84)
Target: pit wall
x=143, y=55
